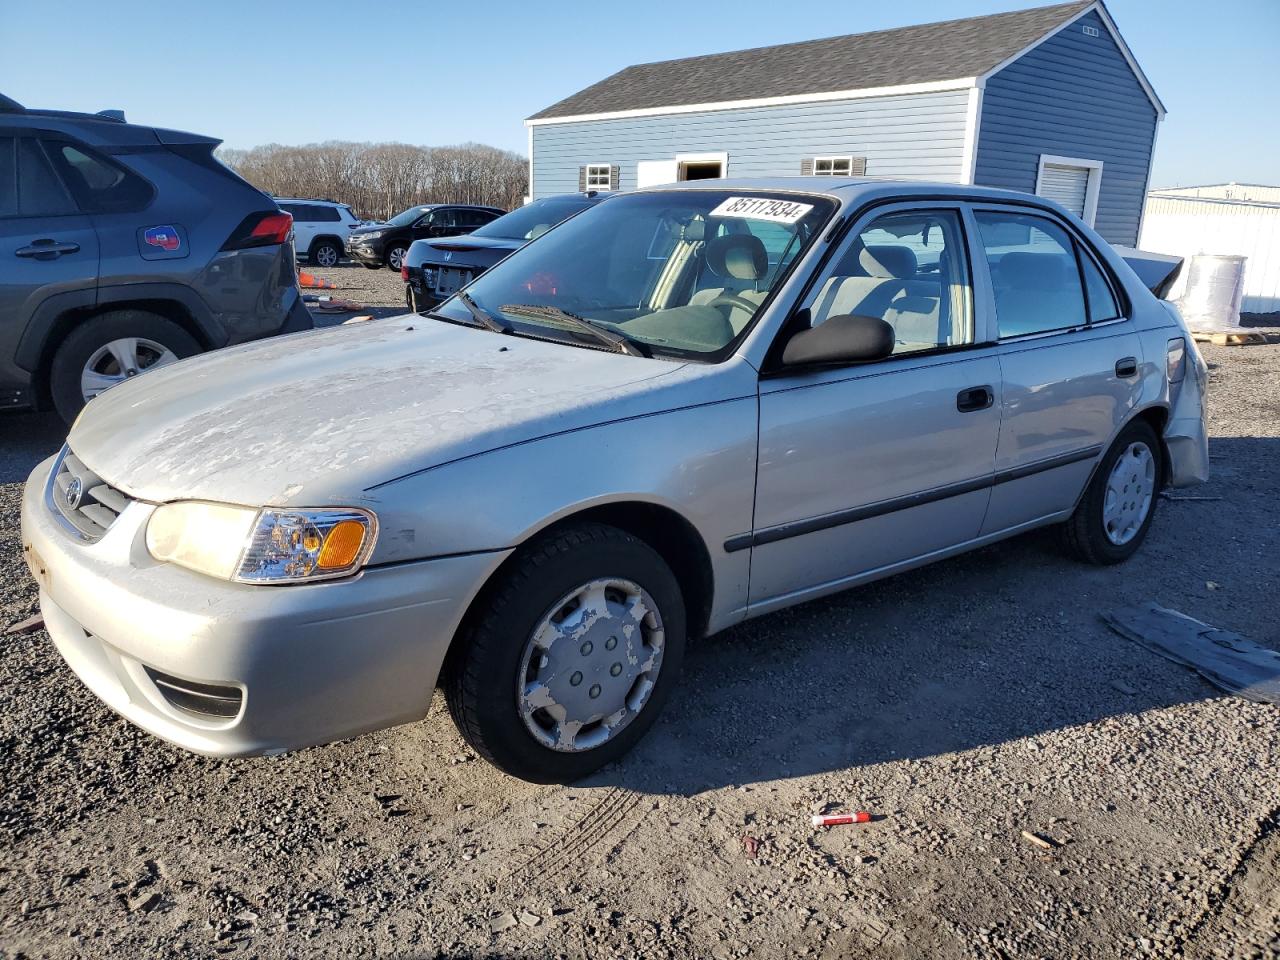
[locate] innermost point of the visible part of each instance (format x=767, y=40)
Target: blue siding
x=916, y=137
x=1073, y=96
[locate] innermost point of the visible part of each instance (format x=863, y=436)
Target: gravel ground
x=963, y=704
x=380, y=292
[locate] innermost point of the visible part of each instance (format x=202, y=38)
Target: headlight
x=369, y=236
x=272, y=545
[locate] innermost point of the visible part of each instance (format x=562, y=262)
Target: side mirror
x=847, y=338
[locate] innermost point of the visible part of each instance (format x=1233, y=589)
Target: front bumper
x=364, y=252
x=308, y=663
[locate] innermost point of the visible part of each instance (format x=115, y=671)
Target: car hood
x=372, y=228
x=319, y=417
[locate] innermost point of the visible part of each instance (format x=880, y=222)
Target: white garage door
x=1067, y=185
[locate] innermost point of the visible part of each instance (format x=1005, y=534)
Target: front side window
x=678, y=273
x=1034, y=273
x=598, y=176
x=910, y=270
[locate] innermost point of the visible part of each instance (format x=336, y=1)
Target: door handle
x=974, y=398
x=47, y=249
x=1126, y=367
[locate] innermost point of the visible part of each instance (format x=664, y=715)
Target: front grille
x=199, y=699
x=82, y=498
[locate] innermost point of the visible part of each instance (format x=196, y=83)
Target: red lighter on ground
x=839, y=819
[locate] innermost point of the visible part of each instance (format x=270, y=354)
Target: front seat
x=879, y=274
x=740, y=260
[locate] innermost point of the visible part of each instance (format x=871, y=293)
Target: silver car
x=685, y=407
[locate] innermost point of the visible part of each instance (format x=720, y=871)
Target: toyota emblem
x=73, y=493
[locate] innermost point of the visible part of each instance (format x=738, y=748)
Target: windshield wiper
x=483, y=317
x=619, y=341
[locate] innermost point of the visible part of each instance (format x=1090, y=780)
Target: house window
x=833, y=166
x=598, y=176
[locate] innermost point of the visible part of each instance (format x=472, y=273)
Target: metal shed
x=1048, y=100
x=1230, y=219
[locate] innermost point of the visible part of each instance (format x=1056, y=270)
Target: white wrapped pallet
x=1211, y=301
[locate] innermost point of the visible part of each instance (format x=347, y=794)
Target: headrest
x=888, y=261
x=1033, y=271
x=739, y=256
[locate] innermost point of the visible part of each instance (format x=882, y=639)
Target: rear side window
x=8, y=178
x=1033, y=272
x=1102, y=302
x=99, y=184
x=325, y=214
x=40, y=193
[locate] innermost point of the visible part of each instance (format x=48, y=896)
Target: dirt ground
x=962, y=704
x=380, y=292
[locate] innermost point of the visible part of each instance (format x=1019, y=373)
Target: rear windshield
x=533, y=219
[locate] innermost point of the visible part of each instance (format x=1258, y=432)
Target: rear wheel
x=325, y=253
x=112, y=348
x=1114, y=515
x=572, y=656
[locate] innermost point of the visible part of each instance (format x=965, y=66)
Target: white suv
x=320, y=228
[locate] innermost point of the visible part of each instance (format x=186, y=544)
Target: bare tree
x=378, y=180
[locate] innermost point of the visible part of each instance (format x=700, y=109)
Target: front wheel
x=395, y=257
x=1114, y=515
x=575, y=650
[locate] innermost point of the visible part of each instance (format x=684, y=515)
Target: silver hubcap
x=590, y=665
x=119, y=360
x=1129, y=491
x=395, y=257
x=326, y=256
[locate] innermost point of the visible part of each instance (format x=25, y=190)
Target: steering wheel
x=733, y=300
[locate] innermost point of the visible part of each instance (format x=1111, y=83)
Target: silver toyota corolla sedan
x=682, y=408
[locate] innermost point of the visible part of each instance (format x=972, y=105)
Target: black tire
x=325, y=250
x=480, y=676
x=85, y=340
x=1084, y=535
x=391, y=255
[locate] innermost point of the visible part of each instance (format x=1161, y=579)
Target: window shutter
x=614, y=172
x=1067, y=185
x=858, y=167
x=806, y=167
x=582, y=179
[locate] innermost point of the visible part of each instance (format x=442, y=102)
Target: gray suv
x=123, y=248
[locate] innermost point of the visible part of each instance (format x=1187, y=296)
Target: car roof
x=859, y=189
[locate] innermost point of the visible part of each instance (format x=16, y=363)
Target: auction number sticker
x=762, y=208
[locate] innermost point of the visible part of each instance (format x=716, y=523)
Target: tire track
x=579, y=839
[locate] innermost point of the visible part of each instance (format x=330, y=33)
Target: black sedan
x=435, y=270
x=376, y=244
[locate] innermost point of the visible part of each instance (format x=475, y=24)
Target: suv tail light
x=404, y=272
x=263, y=229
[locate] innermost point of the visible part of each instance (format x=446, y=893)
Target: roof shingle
x=950, y=50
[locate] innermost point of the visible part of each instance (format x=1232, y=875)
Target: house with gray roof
x=1048, y=100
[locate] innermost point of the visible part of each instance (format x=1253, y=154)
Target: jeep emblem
x=73, y=493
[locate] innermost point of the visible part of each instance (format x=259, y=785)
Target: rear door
x=1069, y=359
x=868, y=466
x=47, y=245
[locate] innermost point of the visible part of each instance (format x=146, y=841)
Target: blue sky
x=438, y=73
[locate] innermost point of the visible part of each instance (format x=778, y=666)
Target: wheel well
x=325, y=237
x=68, y=321
x=670, y=534
x=1158, y=418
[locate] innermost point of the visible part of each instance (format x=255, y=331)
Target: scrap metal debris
x=1227, y=660
x=29, y=625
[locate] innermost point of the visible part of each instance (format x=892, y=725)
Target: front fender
x=698, y=462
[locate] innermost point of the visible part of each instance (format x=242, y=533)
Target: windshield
x=679, y=273
x=408, y=217
x=533, y=219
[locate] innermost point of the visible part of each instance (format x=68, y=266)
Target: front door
x=1069, y=358
x=865, y=467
